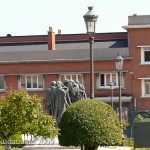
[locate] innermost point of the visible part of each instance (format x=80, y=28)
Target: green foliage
x=141, y=117
x=1, y=147
x=90, y=123
x=142, y=148
x=125, y=124
x=44, y=126
x=21, y=113
x=17, y=138
x=17, y=108
x=129, y=142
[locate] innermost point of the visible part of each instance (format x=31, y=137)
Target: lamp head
x=90, y=21
x=119, y=62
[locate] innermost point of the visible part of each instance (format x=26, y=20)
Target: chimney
x=59, y=31
x=51, y=39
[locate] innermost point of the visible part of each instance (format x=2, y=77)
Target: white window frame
x=71, y=77
x=32, y=88
x=2, y=89
x=143, y=49
x=108, y=86
x=143, y=90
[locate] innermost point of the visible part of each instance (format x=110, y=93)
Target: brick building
x=35, y=61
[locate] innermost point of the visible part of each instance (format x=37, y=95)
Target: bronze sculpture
x=60, y=95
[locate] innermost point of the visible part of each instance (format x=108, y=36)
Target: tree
x=90, y=123
x=21, y=113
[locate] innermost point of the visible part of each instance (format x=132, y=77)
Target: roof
x=63, y=45
x=65, y=51
x=61, y=55
x=84, y=44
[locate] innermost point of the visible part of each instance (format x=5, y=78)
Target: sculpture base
x=39, y=143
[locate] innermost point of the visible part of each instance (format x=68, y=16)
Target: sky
x=34, y=17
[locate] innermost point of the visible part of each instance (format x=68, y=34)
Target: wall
x=52, y=70
x=138, y=37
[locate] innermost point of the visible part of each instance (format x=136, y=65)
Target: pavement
x=41, y=144
x=114, y=148
x=58, y=147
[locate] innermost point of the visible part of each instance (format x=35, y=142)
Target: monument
x=60, y=95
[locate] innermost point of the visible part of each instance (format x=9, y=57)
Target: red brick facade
x=133, y=71
x=139, y=37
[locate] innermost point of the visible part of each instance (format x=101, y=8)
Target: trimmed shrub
x=90, y=123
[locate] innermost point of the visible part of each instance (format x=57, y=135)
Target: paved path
x=58, y=147
x=114, y=148
x=54, y=145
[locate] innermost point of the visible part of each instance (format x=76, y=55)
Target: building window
x=146, y=87
x=75, y=77
x=106, y=78
x=32, y=82
x=145, y=55
x=2, y=83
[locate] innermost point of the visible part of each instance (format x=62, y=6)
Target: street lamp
x=90, y=21
x=119, y=64
x=111, y=86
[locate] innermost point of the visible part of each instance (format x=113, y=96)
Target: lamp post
x=119, y=64
x=111, y=86
x=90, y=21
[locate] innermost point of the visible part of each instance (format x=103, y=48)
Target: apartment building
x=35, y=61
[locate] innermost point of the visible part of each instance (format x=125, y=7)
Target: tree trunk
x=7, y=145
x=90, y=148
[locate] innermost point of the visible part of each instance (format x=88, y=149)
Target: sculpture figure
x=60, y=95
x=60, y=101
x=82, y=93
x=50, y=98
x=71, y=91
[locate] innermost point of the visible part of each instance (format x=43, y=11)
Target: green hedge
x=90, y=123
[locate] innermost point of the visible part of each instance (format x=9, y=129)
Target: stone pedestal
x=48, y=147
x=53, y=144
x=46, y=144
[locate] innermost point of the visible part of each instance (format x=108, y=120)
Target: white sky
x=33, y=17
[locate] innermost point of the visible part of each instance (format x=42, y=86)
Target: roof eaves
x=135, y=26
x=43, y=61
x=23, y=43
x=110, y=59
x=60, y=60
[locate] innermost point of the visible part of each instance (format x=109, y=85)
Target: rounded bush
x=91, y=123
